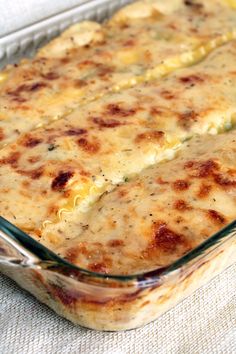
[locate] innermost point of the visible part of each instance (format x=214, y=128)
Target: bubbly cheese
x=72, y=161
x=154, y=219
x=90, y=60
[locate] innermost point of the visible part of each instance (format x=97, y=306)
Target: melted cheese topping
x=74, y=160
x=89, y=60
x=154, y=219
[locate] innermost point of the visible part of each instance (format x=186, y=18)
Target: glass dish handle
x=17, y=247
x=12, y=253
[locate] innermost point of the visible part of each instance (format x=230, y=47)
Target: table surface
x=203, y=323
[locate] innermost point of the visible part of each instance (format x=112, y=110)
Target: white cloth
x=205, y=323
x=16, y=14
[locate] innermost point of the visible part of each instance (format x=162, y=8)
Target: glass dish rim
x=50, y=260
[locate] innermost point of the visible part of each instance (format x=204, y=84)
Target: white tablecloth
x=203, y=323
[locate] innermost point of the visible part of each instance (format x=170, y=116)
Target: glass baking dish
x=105, y=302
x=93, y=300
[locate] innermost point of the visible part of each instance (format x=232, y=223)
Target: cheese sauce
x=71, y=162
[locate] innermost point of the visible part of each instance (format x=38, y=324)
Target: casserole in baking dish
x=87, y=129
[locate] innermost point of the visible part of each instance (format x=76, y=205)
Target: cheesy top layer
x=90, y=60
x=46, y=173
x=154, y=219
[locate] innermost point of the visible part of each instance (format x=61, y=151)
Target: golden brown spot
x=115, y=243
x=30, y=142
x=123, y=25
x=204, y=190
x=187, y=118
x=166, y=239
x=224, y=181
x=122, y=192
x=167, y=94
x=150, y=136
x=172, y=26
x=23, y=107
x=115, y=110
x=107, y=123
x=105, y=70
x=65, y=60
x=201, y=169
x=190, y=164
x=156, y=111
x=98, y=267
x=52, y=209
x=161, y=181
x=75, y=132
x=25, y=184
x=145, y=303
x=89, y=147
x=2, y=135
x=12, y=159
x=87, y=63
x=215, y=216
x=59, y=182
x=19, y=99
x=51, y=75
x=180, y=185
x=191, y=79
x=194, y=30
x=193, y=5
x=33, y=174
x=80, y=249
x=72, y=254
x=84, y=173
x=129, y=43
x=78, y=83
x=181, y=205
x=16, y=94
